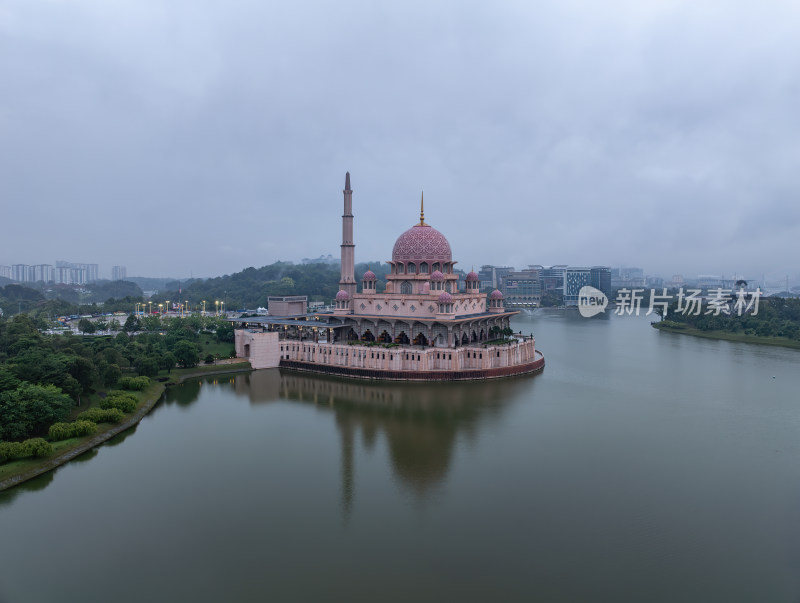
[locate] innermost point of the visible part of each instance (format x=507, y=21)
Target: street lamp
x=204, y=307
x=188, y=308
x=166, y=306
x=151, y=306
x=216, y=310
x=159, y=308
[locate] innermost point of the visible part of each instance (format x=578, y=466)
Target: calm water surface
x=640, y=466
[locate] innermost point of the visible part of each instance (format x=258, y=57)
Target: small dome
x=342, y=295
x=445, y=298
x=495, y=294
x=472, y=276
x=369, y=275
x=437, y=276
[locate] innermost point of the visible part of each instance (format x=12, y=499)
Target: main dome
x=421, y=243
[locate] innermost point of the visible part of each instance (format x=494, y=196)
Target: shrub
x=59, y=431
x=122, y=400
x=209, y=358
x=134, y=383
x=38, y=447
x=83, y=428
x=9, y=451
x=17, y=450
x=99, y=415
x=64, y=431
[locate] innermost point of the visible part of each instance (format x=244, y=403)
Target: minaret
x=348, y=281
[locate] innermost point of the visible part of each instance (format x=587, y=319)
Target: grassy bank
x=15, y=472
x=784, y=342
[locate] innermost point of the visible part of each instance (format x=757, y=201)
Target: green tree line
x=44, y=377
x=776, y=317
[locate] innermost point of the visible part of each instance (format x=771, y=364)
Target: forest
x=46, y=380
x=775, y=317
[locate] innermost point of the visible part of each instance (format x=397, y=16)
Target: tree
x=225, y=331
x=186, y=354
x=147, y=366
x=111, y=375
x=31, y=409
x=168, y=361
x=83, y=371
x=7, y=379
x=132, y=324
x=86, y=326
x=152, y=323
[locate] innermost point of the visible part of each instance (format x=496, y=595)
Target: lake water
x=640, y=466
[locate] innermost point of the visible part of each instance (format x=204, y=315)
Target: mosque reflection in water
x=420, y=421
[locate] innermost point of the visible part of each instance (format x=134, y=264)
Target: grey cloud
x=164, y=136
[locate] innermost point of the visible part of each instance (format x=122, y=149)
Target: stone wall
x=408, y=358
x=259, y=348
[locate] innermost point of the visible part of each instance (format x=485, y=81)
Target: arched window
x=401, y=268
x=412, y=268
x=423, y=268
x=436, y=266
x=405, y=288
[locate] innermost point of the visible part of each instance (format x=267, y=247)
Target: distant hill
x=251, y=287
x=149, y=283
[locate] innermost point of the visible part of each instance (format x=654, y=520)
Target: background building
x=21, y=273
x=492, y=276
x=630, y=278
x=119, y=273
x=552, y=278
x=44, y=273
x=574, y=279
x=600, y=278
x=522, y=289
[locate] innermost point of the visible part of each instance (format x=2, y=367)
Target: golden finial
x=422, y=210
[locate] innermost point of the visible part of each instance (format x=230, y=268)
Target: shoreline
x=48, y=464
x=781, y=342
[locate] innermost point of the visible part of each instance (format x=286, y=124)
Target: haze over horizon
x=193, y=138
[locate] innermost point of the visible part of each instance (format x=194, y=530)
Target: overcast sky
x=187, y=137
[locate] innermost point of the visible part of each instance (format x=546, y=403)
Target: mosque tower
x=348, y=281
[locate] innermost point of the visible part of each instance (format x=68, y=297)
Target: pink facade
x=260, y=348
x=420, y=323
x=408, y=359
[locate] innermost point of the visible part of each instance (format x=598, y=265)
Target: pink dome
x=422, y=243
x=369, y=275
x=472, y=276
x=342, y=295
x=495, y=294
x=437, y=276
x=445, y=298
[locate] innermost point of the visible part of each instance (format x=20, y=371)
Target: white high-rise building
x=119, y=273
x=22, y=273
x=69, y=273
x=43, y=272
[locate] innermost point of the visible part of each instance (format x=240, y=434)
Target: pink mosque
x=421, y=327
